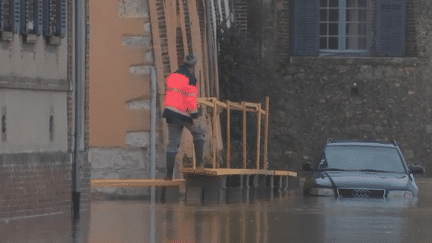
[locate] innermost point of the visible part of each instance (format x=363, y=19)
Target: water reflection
x=282, y=218
x=278, y=219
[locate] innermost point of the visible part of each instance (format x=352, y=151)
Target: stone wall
x=315, y=98
x=375, y=98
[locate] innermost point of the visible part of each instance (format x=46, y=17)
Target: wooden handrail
x=244, y=107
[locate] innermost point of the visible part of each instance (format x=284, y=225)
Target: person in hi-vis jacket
x=181, y=111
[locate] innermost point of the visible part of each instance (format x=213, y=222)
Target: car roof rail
x=332, y=140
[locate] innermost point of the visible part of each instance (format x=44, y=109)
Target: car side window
x=323, y=163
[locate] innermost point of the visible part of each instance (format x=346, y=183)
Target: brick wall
x=34, y=184
x=39, y=183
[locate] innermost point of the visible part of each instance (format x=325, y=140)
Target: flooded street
x=285, y=218
x=291, y=217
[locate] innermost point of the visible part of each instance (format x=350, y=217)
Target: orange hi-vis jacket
x=180, y=97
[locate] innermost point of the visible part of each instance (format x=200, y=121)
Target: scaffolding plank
x=285, y=173
x=225, y=171
x=136, y=183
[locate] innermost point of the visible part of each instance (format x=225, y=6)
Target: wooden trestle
x=210, y=183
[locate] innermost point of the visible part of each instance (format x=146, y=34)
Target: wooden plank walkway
x=181, y=182
x=224, y=171
x=136, y=183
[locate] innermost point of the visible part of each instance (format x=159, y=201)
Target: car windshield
x=361, y=158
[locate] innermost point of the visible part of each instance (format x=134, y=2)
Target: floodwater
x=290, y=217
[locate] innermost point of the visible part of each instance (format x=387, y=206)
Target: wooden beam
x=258, y=148
x=228, y=148
x=135, y=183
x=204, y=101
x=225, y=171
x=157, y=45
x=285, y=173
x=266, y=127
x=171, y=28
x=214, y=138
x=244, y=135
x=197, y=45
x=182, y=19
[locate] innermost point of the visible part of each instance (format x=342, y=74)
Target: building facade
x=37, y=100
x=131, y=43
x=346, y=69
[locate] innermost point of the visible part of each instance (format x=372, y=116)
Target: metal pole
x=79, y=100
x=258, y=136
x=153, y=154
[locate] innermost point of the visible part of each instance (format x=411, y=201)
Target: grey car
x=361, y=169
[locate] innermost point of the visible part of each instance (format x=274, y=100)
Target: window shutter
x=1, y=15
x=52, y=25
x=39, y=18
x=16, y=16
x=305, y=34
x=23, y=9
x=6, y=13
x=61, y=13
x=46, y=18
x=390, y=27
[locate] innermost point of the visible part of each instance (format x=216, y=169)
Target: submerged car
x=361, y=169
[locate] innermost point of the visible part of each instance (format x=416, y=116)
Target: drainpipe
x=153, y=154
x=153, y=124
x=79, y=101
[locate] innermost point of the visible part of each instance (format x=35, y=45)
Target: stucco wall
x=39, y=60
x=120, y=60
x=27, y=116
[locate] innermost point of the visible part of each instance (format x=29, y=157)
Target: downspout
x=153, y=154
x=79, y=88
x=153, y=124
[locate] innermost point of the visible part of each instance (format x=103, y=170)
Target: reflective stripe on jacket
x=181, y=97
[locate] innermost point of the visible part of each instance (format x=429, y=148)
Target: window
x=8, y=15
x=344, y=27
x=55, y=18
x=41, y=17
x=31, y=16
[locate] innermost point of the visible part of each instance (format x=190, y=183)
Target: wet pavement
x=289, y=217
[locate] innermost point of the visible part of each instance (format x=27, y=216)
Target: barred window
x=7, y=14
x=31, y=16
x=54, y=17
x=42, y=17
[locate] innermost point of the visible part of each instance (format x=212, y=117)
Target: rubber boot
x=199, y=153
x=170, y=160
